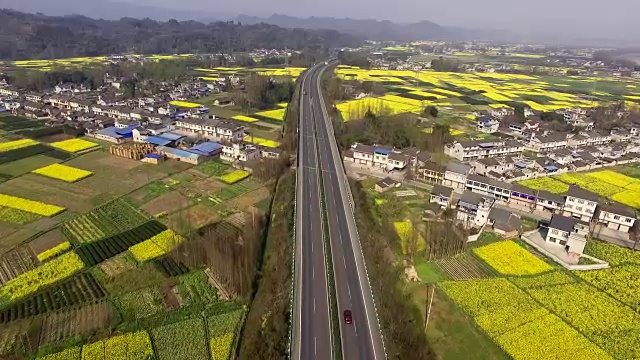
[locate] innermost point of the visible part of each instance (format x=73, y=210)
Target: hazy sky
x=571, y=17
x=575, y=18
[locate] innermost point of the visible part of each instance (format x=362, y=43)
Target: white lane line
x=355, y=327
x=314, y=305
x=344, y=262
x=349, y=289
x=313, y=274
x=312, y=246
x=315, y=345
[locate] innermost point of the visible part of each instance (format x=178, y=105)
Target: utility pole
x=428, y=307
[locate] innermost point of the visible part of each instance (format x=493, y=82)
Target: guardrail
x=292, y=295
x=345, y=182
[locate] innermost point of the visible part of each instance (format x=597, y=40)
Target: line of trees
x=36, y=36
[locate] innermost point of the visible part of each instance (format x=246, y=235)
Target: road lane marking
x=313, y=274
x=349, y=289
x=315, y=345
x=344, y=262
x=314, y=305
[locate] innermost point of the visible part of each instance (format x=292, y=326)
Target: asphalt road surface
x=312, y=338
x=319, y=156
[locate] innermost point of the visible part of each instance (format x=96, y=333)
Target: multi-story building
x=478, y=149
x=548, y=142
x=498, y=165
x=616, y=216
x=473, y=209
x=580, y=204
x=239, y=151
x=547, y=201
x=567, y=232
x=210, y=129
x=377, y=156
x=441, y=195
x=455, y=175
x=496, y=189
x=487, y=124
x=432, y=172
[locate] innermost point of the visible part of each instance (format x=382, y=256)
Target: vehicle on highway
x=347, y=317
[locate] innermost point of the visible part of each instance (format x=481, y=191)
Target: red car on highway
x=347, y=317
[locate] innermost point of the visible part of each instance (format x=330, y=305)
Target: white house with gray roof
x=616, y=216
x=580, y=204
x=567, y=232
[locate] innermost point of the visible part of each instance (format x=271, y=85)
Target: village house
x=499, y=190
x=432, y=172
x=455, y=175
x=504, y=223
x=385, y=184
x=487, y=125
x=616, y=216
x=548, y=142
x=567, y=232
x=580, y=203
x=442, y=195
x=473, y=209
x=377, y=156
x=502, y=112
x=239, y=151
x=478, y=149
x=549, y=202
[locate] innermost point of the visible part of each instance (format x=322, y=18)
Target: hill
x=375, y=29
x=37, y=36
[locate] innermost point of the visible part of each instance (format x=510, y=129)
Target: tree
x=431, y=111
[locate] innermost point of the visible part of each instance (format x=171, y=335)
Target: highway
x=311, y=318
x=362, y=339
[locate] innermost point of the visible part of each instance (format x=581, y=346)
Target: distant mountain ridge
x=376, y=29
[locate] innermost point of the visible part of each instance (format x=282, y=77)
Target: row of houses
x=573, y=214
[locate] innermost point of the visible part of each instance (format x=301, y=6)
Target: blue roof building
x=180, y=155
x=112, y=134
x=158, y=141
x=209, y=148
x=171, y=136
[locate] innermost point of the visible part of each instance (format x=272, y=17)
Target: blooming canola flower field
x=616, y=186
x=492, y=89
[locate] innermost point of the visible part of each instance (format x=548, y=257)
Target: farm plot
x=12, y=337
x=192, y=218
x=222, y=331
x=63, y=172
x=195, y=289
x=81, y=289
x=185, y=340
x=212, y=168
x=44, y=275
x=18, y=217
x=156, y=246
x=107, y=220
x=22, y=153
x=99, y=251
x=509, y=258
x=171, y=267
x=516, y=322
x=612, y=326
x=67, y=354
x=15, y=263
x=130, y=346
x=166, y=203
x=234, y=190
x=621, y=282
x=547, y=184
x=34, y=207
x=74, y=145
x=546, y=279
x=118, y=264
x=140, y=304
x=463, y=267
x=85, y=320
x=613, y=254
x=23, y=166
